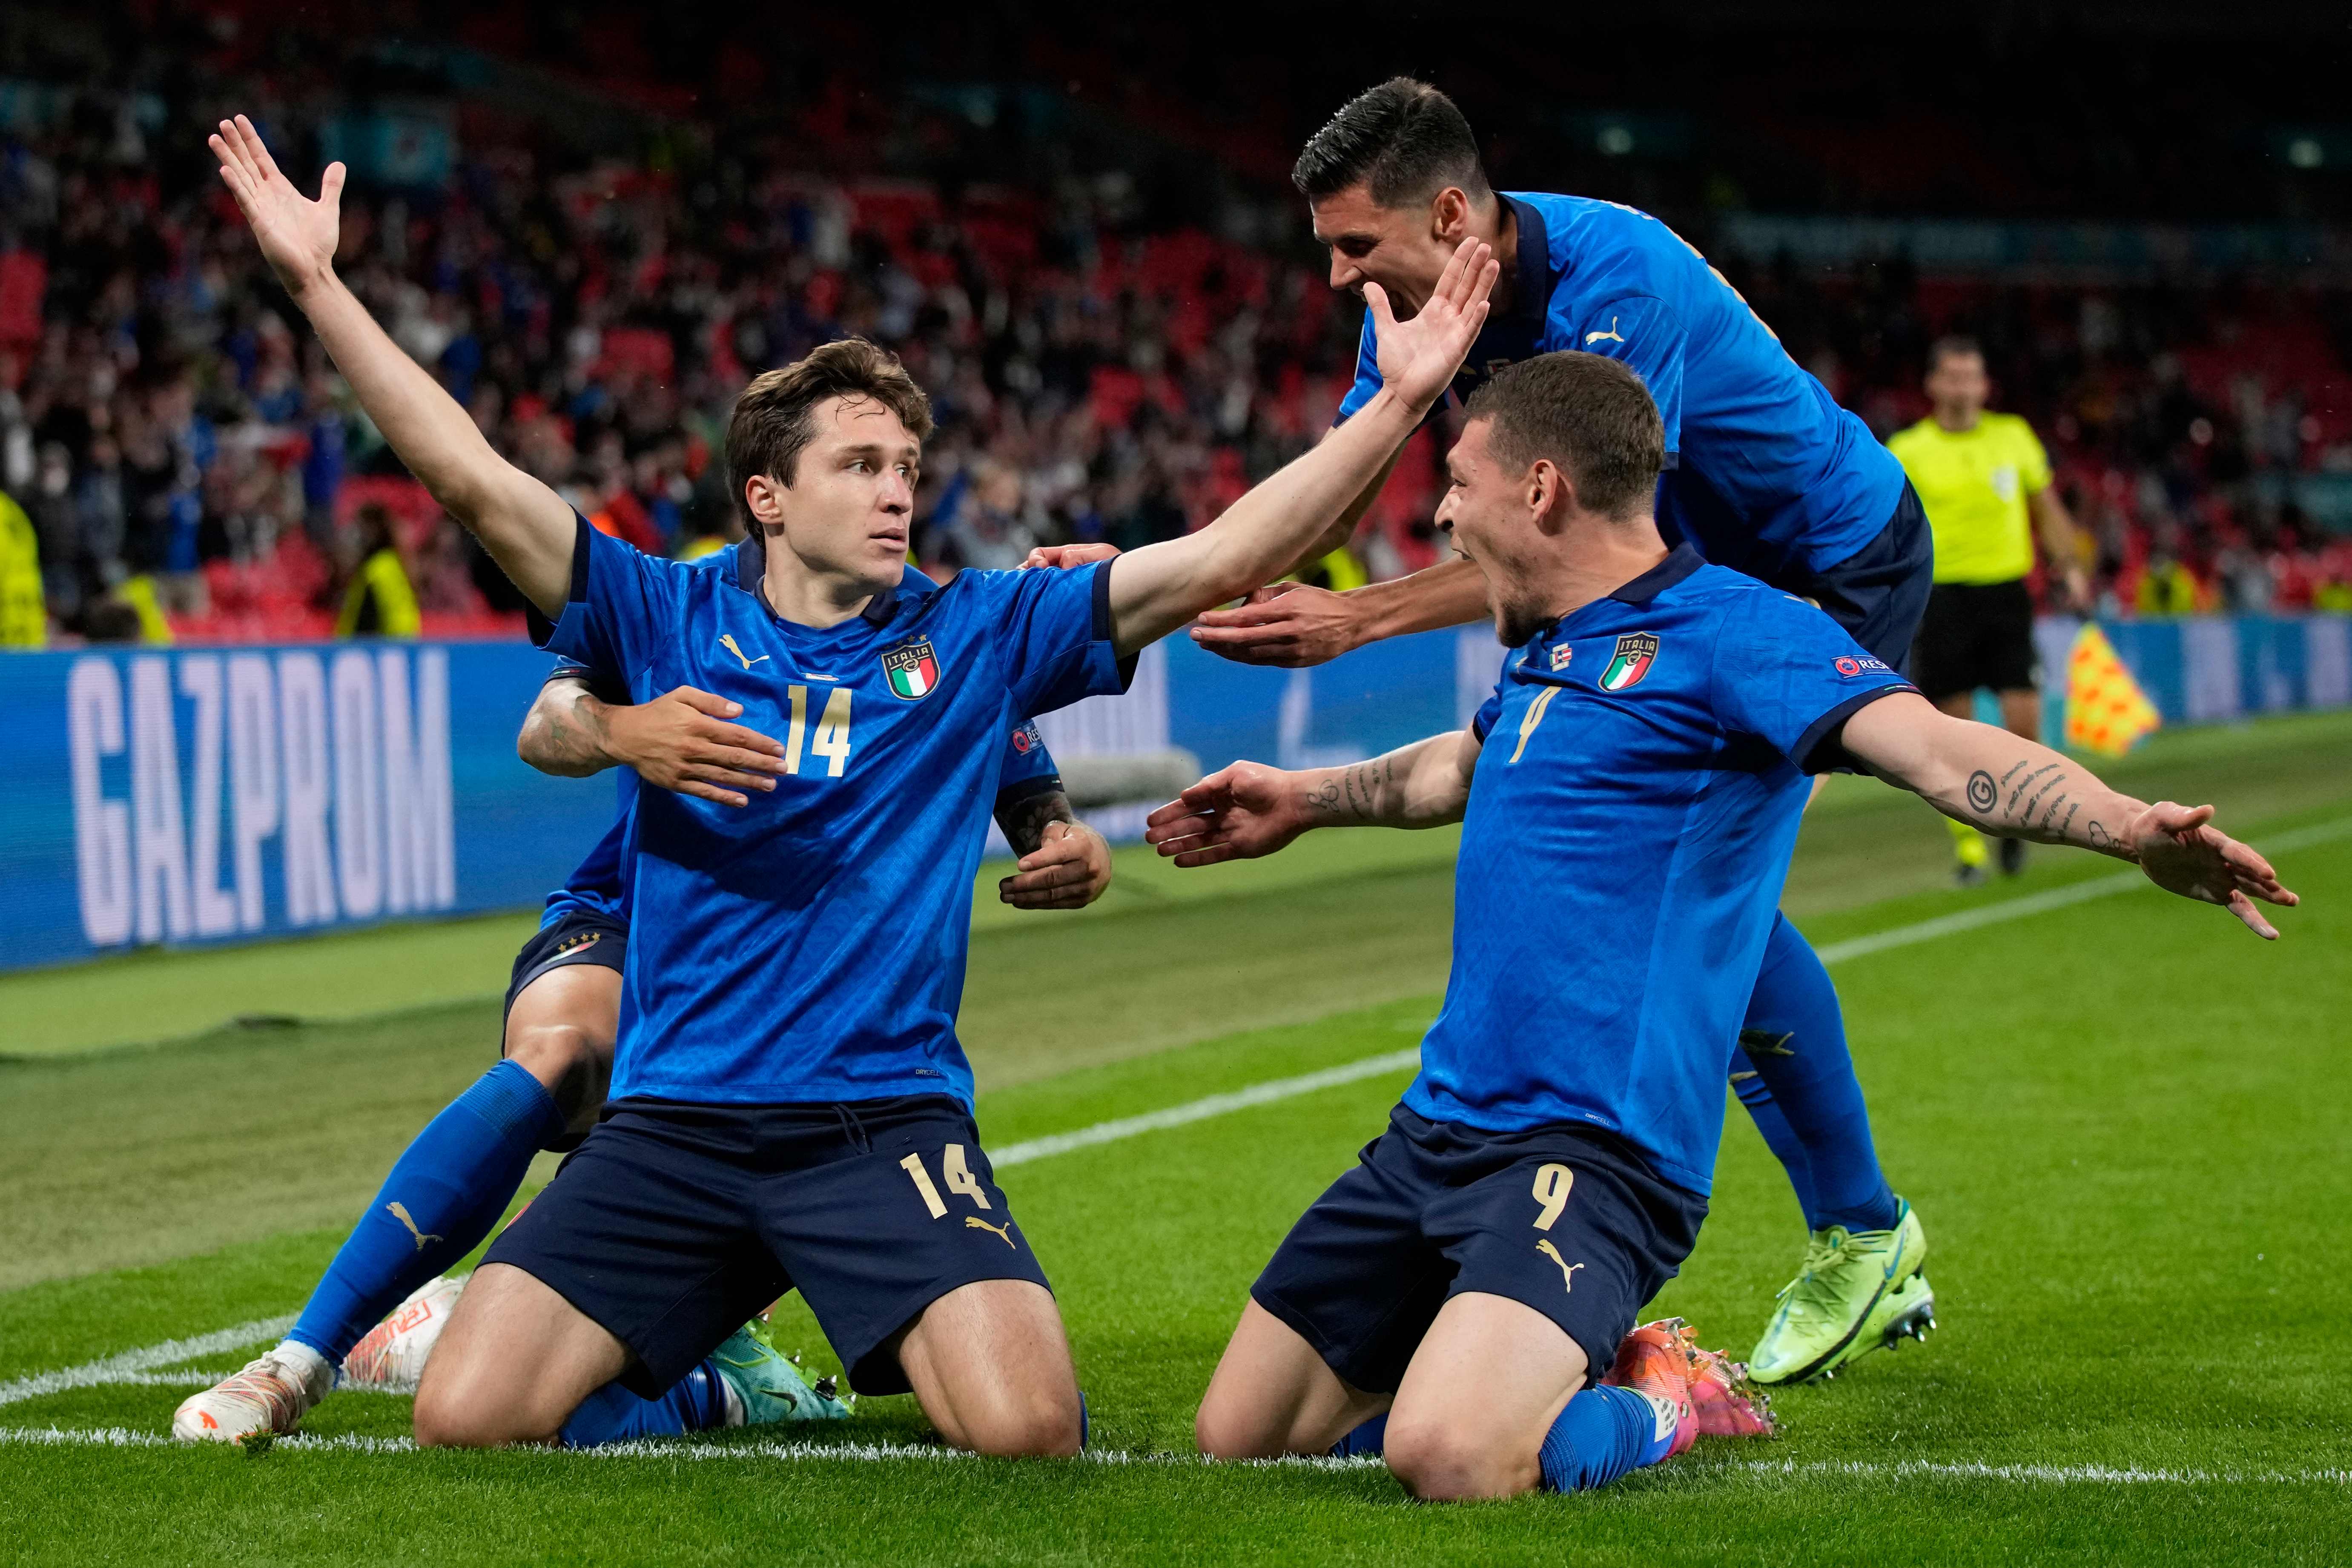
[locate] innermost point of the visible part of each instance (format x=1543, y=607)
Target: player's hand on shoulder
x=1417, y=358
x=1060, y=556
x=1288, y=624
x=1237, y=813
x=683, y=740
x=1069, y=869
x=2183, y=853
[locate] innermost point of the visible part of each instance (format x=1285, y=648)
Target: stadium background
x=594, y=222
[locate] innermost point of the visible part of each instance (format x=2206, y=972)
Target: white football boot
x=392, y=1357
x=272, y=1394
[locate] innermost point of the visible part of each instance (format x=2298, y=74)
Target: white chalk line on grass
x=2055, y=898
x=126, y=1365
x=131, y=1366
x=920, y=1453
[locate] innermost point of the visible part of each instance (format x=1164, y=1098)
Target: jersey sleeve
x=1052, y=629
x=624, y=606
x=602, y=685
x=1368, y=376
x=2034, y=461
x=1643, y=332
x=1788, y=675
x=1029, y=768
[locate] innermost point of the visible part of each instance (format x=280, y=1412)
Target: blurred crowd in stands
x=188, y=463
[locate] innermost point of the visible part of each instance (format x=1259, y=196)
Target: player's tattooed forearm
x=2097, y=834
x=2026, y=816
x=2028, y=781
x=1025, y=820
x=1354, y=795
x=1983, y=793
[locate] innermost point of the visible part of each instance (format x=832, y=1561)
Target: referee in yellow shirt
x=1985, y=483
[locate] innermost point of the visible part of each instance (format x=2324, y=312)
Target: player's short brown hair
x=1404, y=140
x=1590, y=415
x=772, y=426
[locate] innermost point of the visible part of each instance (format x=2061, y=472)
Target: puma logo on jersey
x=726, y=641
x=1611, y=336
x=422, y=1237
x=1004, y=1232
x=1567, y=1269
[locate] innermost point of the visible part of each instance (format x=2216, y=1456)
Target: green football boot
x=1906, y=1312
x=765, y=1385
x=1841, y=1297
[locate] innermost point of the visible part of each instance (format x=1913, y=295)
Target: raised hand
x=1418, y=358
x=1235, y=814
x=2183, y=855
x=297, y=235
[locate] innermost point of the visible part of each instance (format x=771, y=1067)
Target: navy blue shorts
x=673, y=1225
x=1565, y=1219
x=575, y=937
x=1879, y=594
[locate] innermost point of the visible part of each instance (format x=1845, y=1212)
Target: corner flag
x=2107, y=712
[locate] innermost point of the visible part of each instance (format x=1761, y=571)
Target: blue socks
x=445, y=1192
x=1604, y=1433
x=1372, y=1438
x=1804, y=1095
x=694, y=1403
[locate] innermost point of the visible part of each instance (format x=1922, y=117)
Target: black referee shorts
x=1976, y=635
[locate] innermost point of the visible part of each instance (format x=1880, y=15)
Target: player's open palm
x=297, y=236
x=2182, y=854
x=1418, y=358
x=1235, y=814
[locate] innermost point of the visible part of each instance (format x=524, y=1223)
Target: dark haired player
x=789, y=1107
x=455, y=1179
x=1765, y=474
x=1630, y=798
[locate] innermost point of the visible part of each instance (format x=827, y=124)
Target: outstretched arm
x=1160, y=587
x=680, y=741
x=1992, y=780
x=1291, y=624
x=526, y=527
x=1248, y=809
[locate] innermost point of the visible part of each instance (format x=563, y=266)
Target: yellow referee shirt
x=1974, y=485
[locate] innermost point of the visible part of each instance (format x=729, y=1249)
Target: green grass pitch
x=2123, y=1121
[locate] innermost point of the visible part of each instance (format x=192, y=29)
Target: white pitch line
x=116, y=1368
x=1201, y=1110
x=922, y=1453
x=2055, y=898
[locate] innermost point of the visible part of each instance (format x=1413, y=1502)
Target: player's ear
x=1549, y=496
x=764, y=497
x=1449, y=214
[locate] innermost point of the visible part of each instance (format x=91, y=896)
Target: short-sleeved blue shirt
x=1629, y=824
x=1765, y=471
x=598, y=887
x=810, y=946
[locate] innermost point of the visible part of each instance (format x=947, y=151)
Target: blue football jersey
x=597, y=886
x=1629, y=827
x=810, y=946
x=1765, y=471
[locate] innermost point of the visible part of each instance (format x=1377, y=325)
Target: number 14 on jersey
x=831, y=739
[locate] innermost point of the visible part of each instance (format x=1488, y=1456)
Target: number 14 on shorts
x=958, y=1175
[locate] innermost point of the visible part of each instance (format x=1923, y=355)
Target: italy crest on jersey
x=1636, y=651
x=913, y=670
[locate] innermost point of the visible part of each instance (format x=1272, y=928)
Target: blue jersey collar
x=1532, y=301
x=752, y=570
x=1680, y=563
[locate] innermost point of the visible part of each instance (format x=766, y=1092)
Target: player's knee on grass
x=990, y=1365
x=1448, y=1457
x=515, y=1361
